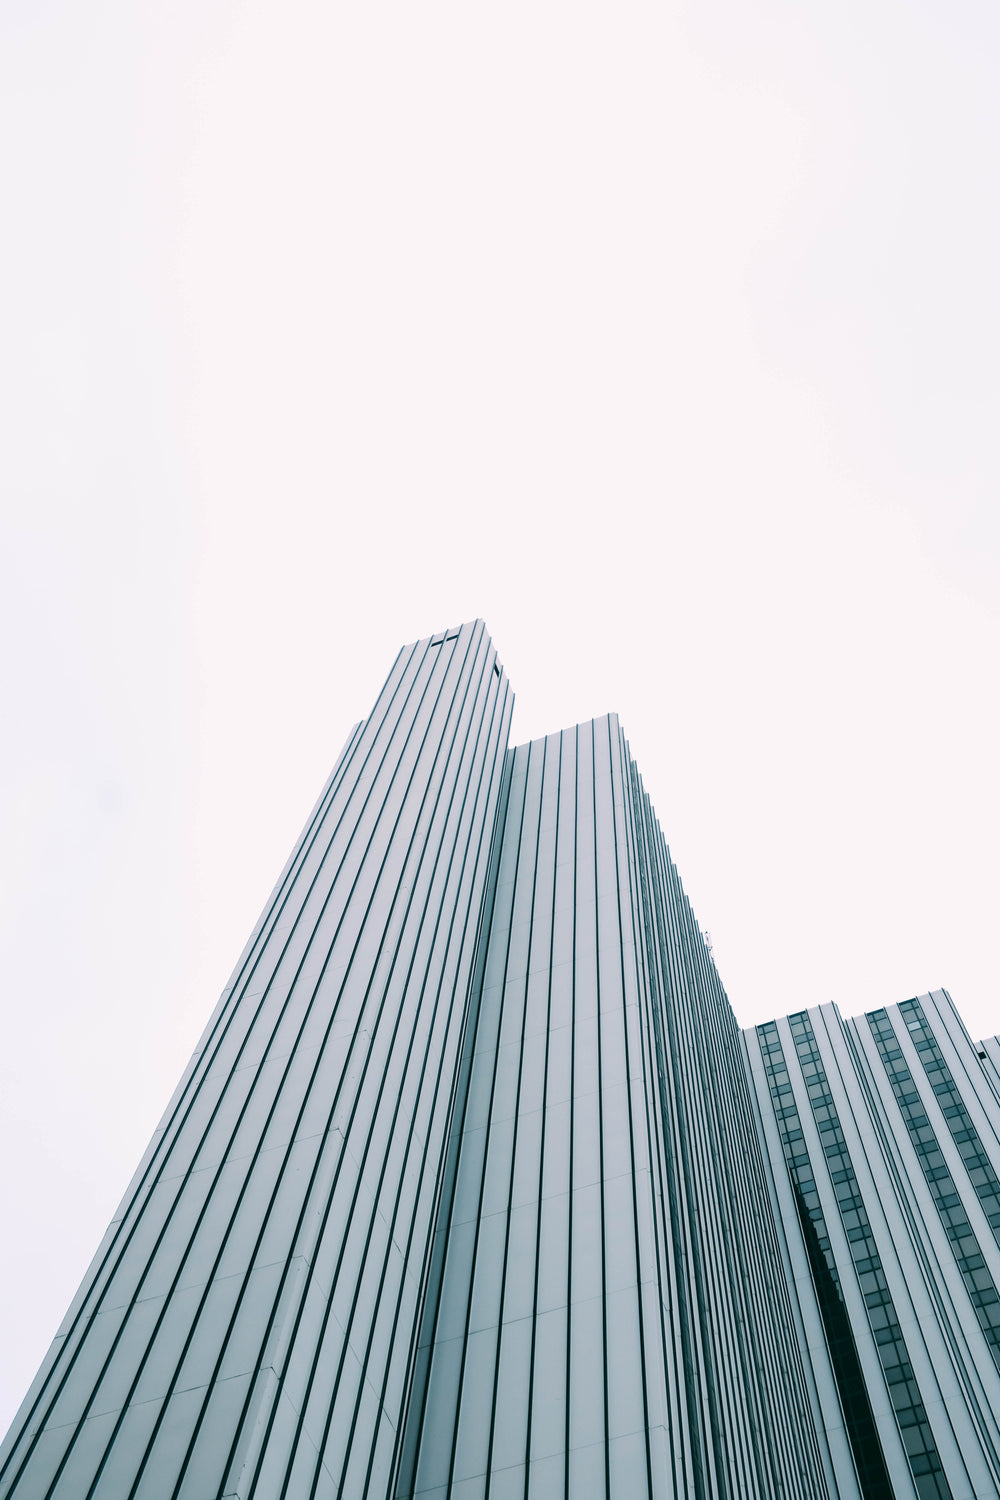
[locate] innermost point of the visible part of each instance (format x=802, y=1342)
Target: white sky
x=665, y=337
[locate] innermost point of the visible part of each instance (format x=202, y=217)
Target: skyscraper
x=473, y=1187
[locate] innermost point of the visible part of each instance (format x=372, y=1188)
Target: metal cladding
x=247, y=1326
x=473, y=1187
x=882, y=1139
x=612, y=1317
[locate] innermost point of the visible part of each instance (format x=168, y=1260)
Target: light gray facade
x=247, y=1327
x=882, y=1139
x=612, y=1315
x=473, y=1187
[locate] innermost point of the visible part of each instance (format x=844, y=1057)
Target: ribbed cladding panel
x=574, y=1350
x=248, y=1325
x=749, y=1426
x=551, y=1278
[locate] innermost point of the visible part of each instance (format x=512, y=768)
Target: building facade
x=881, y=1135
x=473, y=1186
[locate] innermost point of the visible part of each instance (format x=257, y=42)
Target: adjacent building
x=881, y=1135
x=474, y=1188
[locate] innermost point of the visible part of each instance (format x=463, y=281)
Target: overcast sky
x=663, y=336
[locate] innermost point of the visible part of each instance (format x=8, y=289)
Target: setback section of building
x=612, y=1316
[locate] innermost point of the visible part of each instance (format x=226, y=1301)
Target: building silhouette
x=473, y=1186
